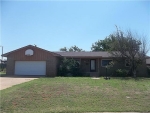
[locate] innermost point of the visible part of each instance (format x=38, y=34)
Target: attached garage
x=30, y=67
x=32, y=60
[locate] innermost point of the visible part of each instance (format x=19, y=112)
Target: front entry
x=92, y=65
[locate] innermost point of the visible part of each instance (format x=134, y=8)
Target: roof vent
x=29, y=52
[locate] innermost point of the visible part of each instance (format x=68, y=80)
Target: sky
x=52, y=25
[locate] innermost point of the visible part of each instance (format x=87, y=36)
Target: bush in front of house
x=69, y=67
x=3, y=67
x=121, y=72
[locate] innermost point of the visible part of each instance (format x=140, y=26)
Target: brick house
x=32, y=60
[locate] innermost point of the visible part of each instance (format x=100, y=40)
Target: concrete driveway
x=6, y=82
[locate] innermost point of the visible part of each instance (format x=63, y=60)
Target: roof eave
x=83, y=56
x=6, y=54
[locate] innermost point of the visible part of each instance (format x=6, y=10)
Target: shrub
x=2, y=67
x=86, y=75
x=69, y=67
x=121, y=72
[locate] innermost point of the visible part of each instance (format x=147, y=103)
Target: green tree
x=103, y=45
x=71, y=49
x=69, y=67
x=129, y=46
x=63, y=49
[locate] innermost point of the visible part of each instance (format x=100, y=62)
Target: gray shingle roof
x=84, y=54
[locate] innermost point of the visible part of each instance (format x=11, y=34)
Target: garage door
x=30, y=68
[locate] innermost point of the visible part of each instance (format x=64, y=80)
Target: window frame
x=105, y=59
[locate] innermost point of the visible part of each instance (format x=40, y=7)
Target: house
x=148, y=61
x=32, y=60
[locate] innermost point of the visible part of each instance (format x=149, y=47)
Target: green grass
x=70, y=94
x=2, y=73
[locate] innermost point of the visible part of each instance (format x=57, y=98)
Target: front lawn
x=70, y=94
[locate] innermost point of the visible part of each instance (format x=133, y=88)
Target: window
x=93, y=65
x=105, y=62
x=127, y=63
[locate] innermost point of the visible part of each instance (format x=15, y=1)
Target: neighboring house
x=148, y=61
x=32, y=60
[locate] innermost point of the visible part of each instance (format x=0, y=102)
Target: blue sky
x=52, y=25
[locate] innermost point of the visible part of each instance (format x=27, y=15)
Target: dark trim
x=95, y=65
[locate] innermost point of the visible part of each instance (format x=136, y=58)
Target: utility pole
x=1, y=60
x=2, y=52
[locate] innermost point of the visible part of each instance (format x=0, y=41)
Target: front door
x=93, y=65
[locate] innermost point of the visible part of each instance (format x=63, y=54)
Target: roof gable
x=29, y=46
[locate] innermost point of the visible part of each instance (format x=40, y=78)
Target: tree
x=103, y=45
x=63, y=49
x=131, y=47
x=69, y=67
x=72, y=49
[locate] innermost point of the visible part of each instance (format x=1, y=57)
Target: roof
x=6, y=54
x=85, y=54
x=68, y=54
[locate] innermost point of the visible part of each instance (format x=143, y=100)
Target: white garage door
x=30, y=68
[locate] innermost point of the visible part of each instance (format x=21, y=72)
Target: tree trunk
x=134, y=73
x=133, y=69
